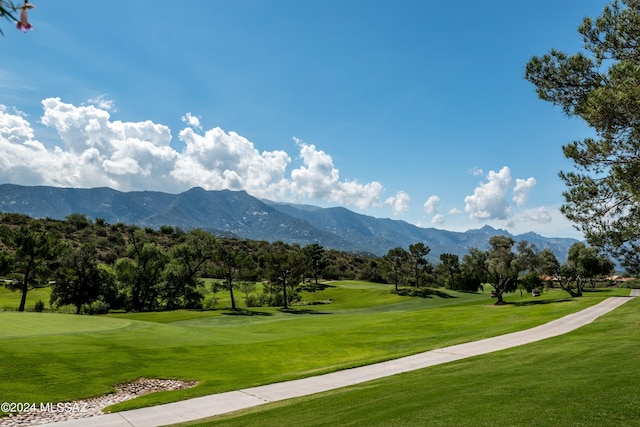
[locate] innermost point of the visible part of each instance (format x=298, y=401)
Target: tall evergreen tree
x=395, y=264
x=601, y=85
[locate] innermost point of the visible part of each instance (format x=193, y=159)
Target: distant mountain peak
x=229, y=212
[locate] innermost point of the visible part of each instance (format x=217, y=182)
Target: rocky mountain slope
x=239, y=214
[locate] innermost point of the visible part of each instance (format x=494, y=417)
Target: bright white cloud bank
x=95, y=151
x=489, y=199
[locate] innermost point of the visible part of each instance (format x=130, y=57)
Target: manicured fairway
x=47, y=357
x=589, y=377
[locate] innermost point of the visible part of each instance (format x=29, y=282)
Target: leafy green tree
x=529, y=260
x=78, y=221
x=419, y=264
x=583, y=264
x=78, y=280
x=188, y=260
x=473, y=270
x=395, y=264
x=371, y=271
x=284, y=266
x=142, y=271
x=450, y=265
x=316, y=261
x=247, y=287
x=548, y=264
x=601, y=86
x=35, y=251
x=113, y=293
x=503, y=265
x=234, y=264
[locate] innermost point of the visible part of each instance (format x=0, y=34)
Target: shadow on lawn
x=536, y=302
x=246, y=312
x=312, y=287
x=423, y=293
x=300, y=311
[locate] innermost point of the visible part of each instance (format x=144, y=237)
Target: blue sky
x=412, y=110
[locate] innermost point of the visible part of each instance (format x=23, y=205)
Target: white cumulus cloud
x=218, y=160
x=432, y=205
x=103, y=103
x=317, y=177
x=488, y=199
x=191, y=120
x=98, y=151
x=94, y=150
x=522, y=189
x=399, y=202
x=437, y=219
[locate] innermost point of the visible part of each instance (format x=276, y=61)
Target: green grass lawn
x=49, y=357
x=589, y=377
x=10, y=300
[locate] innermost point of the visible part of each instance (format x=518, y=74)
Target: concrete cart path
x=208, y=406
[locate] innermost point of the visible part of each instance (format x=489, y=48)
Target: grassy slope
x=586, y=378
x=10, y=300
x=54, y=357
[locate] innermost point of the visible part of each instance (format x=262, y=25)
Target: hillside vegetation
x=96, y=267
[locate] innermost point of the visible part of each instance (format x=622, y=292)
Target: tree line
x=125, y=267
x=140, y=269
x=507, y=266
x=99, y=266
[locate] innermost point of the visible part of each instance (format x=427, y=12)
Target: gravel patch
x=85, y=408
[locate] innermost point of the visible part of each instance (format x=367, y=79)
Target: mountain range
x=236, y=213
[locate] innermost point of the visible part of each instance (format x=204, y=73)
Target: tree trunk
x=23, y=298
x=284, y=293
x=25, y=285
x=233, y=300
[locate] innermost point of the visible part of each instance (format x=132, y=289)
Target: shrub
x=39, y=306
x=98, y=307
x=252, y=301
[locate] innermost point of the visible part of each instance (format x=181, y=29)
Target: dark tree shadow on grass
x=535, y=302
x=246, y=312
x=422, y=293
x=312, y=287
x=300, y=311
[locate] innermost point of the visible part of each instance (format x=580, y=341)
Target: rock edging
x=85, y=408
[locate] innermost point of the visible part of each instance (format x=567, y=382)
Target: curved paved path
x=208, y=406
